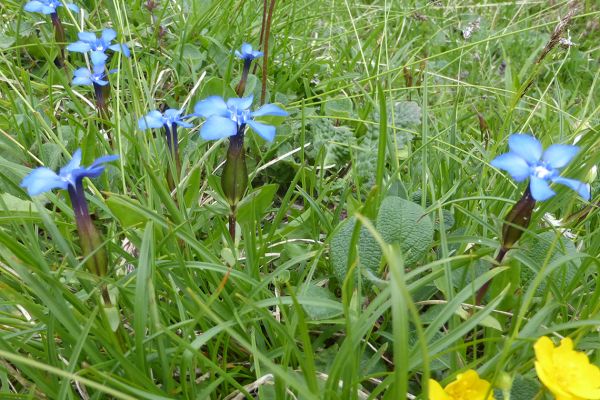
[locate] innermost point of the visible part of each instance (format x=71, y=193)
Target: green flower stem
x=89, y=237
x=234, y=179
x=516, y=223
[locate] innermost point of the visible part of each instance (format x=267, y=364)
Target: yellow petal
x=567, y=397
x=566, y=344
x=468, y=386
x=551, y=383
x=436, y=392
x=543, y=350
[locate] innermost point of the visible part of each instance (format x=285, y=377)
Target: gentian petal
x=246, y=48
x=41, y=180
x=540, y=190
x=98, y=58
x=104, y=159
x=99, y=70
x=82, y=72
x=172, y=114
x=48, y=10
x=101, y=82
x=559, y=155
x=152, y=120
x=240, y=103
x=79, y=47
x=89, y=37
x=34, y=6
x=270, y=109
x=156, y=114
x=120, y=47
x=108, y=35
x=72, y=165
x=525, y=146
x=183, y=124
x=213, y=105
x=247, y=53
x=583, y=189
x=217, y=127
x=90, y=172
x=81, y=80
x=125, y=50
x=513, y=164
x=265, y=131
x=73, y=7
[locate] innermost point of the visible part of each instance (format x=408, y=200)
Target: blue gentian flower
x=98, y=76
x=43, y=179
x=247, y=53
x=47, y=6
x=70, y=178
x=224, y=119
x=526, y=159
x=89, y=42
x=170, y=119
x=155, y=119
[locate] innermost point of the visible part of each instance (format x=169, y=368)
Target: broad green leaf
x=407, y=113
x=126, y=211
x=255, y=203
x=6, y=41
x=524, y=388
x=319, y=312
x=10, y=204
x=369, y=252
x=404, y=222
x=339, y=108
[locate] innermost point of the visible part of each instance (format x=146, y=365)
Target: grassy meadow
x=360, y=261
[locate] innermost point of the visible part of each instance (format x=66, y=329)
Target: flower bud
x=517, y=220
x=234, y=179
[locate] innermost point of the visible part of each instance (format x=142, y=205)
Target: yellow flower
x=467, y=386
x=567, y=373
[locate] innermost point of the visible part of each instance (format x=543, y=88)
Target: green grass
x=383, y=99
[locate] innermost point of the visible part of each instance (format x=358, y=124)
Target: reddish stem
x=262, y=29
x=263, y=93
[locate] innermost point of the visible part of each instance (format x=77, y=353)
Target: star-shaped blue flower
x=83, y=76
x=247, y=53
x=224, y=119
x=43, y=179
x=47, y=6
x=155, y=119
x=89, y=42
x=526, y=159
